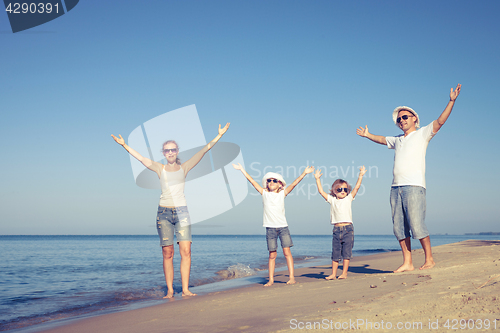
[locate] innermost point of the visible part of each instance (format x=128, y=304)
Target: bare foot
x=404, y=268
x=343, y=276
x=428, y=264
x=169, y=295
x=331, y=277
x=188, y=293
x=291, y=281
x=270, y=283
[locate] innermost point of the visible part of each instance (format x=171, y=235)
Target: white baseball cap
x=274, y=175
x=406, y=108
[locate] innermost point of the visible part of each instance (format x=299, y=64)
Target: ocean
x=49, y=278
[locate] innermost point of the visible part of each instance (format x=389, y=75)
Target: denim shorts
x=272, y=235
x=175, y=219
x=342, y=242
x=408, y=212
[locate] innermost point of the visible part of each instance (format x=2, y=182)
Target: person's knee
x=185, y=249
x=168, y=252
x=286, y=252
x=273, y=255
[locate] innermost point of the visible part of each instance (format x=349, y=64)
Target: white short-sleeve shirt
x=274, y=209
x=340, y=209
x=409, y=156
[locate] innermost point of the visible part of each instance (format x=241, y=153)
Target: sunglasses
x=166, y=151
x=340, y=189
x=272, y=180
x=405, y=117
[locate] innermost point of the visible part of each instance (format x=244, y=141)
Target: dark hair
x=177, y=160
x=336, y=184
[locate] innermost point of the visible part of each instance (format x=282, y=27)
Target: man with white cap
x=408, y=185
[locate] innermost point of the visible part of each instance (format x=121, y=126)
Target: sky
x=294, y=78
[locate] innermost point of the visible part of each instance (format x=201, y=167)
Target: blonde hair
x=177, y=160
x=336, y=184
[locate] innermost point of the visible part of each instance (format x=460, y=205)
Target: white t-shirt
x=409, y=156
x=274, y=209
x=340, y=209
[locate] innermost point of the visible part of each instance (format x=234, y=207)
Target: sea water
x=45, y=278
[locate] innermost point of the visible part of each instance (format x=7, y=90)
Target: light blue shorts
x=272, y=235
x=170, y=220
x=408, y=212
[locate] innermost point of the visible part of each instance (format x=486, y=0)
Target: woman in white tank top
x=173, y=216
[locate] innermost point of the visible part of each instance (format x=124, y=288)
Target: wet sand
x=464, y=285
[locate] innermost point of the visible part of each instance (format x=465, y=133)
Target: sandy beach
x=461, y=292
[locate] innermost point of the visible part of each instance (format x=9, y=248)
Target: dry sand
x=464, y=285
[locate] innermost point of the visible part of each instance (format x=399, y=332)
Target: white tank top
x=172, y=188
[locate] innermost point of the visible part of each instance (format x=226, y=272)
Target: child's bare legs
x=289, y=263
x=272, y=264
x=345, y=267
x=335, y=265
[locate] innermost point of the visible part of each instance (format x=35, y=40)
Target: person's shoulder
x=427, y=130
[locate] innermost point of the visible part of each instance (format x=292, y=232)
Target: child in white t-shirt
x=273, y=193
x=340, y=199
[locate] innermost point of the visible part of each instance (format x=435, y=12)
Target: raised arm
x=318, y=175
x=148, y=163
x=375, y=138
x=438, y=123
x=290, y=187
x=250, y=179
x=191, y=163
x=362, y=172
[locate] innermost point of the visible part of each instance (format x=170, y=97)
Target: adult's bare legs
x=185, y=250
x=429, y=260
x=407, y=260
x=272, y=264
x=168, y=269
x=289, y=263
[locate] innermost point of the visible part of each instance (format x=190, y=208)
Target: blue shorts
x=408, y=212
x=175, y=219
x=342, y=242
x=272, y=235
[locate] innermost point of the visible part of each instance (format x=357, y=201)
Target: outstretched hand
x=362, y=131
x=318, y=174
x=362, y=170
x=237, y=166
x=120, y=141
x=224, y=129
x=454, y=93
x=309, y=169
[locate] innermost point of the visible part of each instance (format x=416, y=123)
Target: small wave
x=236, y=271
x=370, y=251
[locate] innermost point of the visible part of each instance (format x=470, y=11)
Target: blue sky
x=294, y=78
